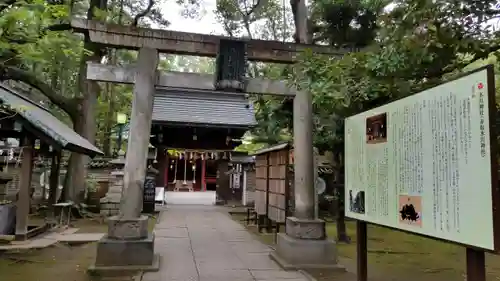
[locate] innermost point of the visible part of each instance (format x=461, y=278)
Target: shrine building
x=194, y=131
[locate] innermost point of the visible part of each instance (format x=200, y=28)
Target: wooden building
x=39, y=134
x=194, y=132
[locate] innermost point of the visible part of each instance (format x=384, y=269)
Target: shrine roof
x=197, y=107
x=40, y=120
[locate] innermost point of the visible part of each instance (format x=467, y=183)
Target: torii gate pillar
x=304, y=244
x=128, y=244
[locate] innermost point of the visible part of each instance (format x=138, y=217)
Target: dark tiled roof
x=41, y=119
x=202, y=107
x=276, y=147
x=96, y=163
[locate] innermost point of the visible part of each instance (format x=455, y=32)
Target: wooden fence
x=274, y=186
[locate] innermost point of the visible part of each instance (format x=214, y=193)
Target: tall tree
x=63, y=64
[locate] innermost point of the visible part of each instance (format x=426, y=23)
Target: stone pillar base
x=127, y=248
x=304, y=246
x=128, y=229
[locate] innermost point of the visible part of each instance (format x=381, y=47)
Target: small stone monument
x=148, y=199
x=110, y=204
x=7, y=208
x=4, y=179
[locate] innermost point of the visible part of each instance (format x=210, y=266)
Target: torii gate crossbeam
x=184, y=43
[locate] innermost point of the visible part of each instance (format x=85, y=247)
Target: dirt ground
x=398, y=256
x=59, y=262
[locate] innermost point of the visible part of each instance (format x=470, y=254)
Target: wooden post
x=165, y=173
x=476, y=266
x=244, y=195
x=203, y=172
x=23, y=196
x=362, y=251
x=140, y=129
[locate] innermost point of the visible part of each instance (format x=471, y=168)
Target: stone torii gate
x=128, y=242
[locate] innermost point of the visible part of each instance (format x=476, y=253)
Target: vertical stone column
x=128, y=242
x=23, y=198
x=140, y=129
x=303, y=156
x=304, y=244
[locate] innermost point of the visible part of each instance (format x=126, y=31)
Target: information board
x=426, y=163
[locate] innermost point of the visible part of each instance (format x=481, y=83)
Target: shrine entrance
x=211, y=112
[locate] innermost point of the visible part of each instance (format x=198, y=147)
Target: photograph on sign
x=357, y=202
x=376, y=128
x=424, y=164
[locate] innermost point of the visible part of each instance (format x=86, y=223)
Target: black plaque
x=148, y=199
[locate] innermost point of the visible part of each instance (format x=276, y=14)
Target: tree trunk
x=109, y=121
x=84, y=123
x=55, y=168
x=299, y=10
x=341, y=229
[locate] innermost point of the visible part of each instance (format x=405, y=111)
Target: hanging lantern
x=202, y=156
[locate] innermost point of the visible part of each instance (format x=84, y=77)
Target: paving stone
x=220, y=274
x=258, y=261
x=202, y=243
x=173, y=232
x=275, y=274
x=219, y=265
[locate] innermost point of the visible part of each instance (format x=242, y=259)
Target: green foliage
x=345, y=23
x=415, y=46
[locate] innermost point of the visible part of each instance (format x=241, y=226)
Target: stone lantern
x=110, y=204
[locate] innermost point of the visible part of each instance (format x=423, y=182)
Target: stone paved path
x=202, y=243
